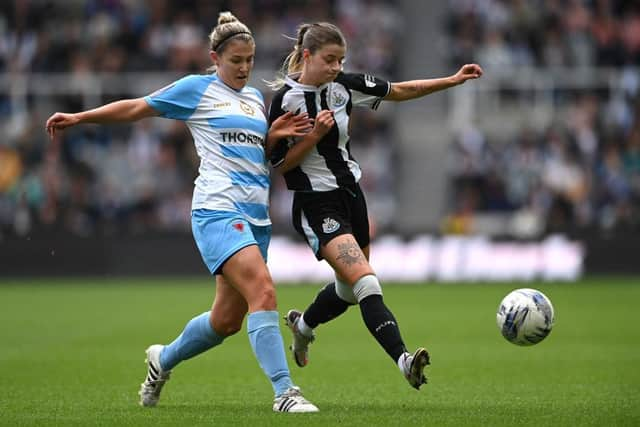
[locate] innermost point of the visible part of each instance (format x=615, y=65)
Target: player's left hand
x=468, y=72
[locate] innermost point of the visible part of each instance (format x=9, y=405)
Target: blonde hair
x=229, y=27
x=312, y=37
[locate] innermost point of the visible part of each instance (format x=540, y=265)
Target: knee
x=260, y=291
x=352, y=274
x=265, y=298
x=366, y=286
x=345, y=292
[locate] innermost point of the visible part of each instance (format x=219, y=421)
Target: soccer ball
x=525, y=316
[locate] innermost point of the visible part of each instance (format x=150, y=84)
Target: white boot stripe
x=290, y=404
x=155, y=380
x=293, y=401
x=153, y=369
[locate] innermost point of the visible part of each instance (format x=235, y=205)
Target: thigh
x=366, y=251
x=347, y=258
x=247, y=272
x=229, y=308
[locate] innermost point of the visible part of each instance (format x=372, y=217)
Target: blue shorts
x=220, y=234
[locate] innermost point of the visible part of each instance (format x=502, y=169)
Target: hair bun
x=226, y=17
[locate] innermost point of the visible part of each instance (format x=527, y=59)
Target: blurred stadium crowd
x=136, y=178
x=582, y=170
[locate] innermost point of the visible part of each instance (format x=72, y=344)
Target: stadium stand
x=547, y=141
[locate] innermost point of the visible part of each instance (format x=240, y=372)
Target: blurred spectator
x=549, y=32
x=10, y=168
x=105, y=180
x=139, y=178
x=581, y=171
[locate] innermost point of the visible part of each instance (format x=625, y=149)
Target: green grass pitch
x=72, y=352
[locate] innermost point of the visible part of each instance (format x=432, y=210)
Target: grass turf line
x=72, y=351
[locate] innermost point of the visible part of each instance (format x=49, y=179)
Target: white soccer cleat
x=414, y=367
x=293, y=401
x=300, y=346
x=152, y=386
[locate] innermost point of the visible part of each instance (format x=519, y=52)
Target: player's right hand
x=323, y=123
x=60, y=121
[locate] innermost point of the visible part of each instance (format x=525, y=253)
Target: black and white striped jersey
x=329, y=165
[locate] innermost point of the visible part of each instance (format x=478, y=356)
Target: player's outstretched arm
x=403, y=91
x=126, y=110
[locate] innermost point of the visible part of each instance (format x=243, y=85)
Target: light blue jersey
x=229, y=128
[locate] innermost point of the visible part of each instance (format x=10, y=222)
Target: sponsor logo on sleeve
x=369, y=80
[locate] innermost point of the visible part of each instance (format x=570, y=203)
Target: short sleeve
x=366, y=90
x=180, y=99
x=280, y=148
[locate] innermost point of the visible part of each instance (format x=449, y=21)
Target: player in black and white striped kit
x=329, y=165
x=329, y=208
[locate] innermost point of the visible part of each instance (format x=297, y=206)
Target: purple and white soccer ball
x=525, y=316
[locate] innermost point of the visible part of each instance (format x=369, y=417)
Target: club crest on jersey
x=329, y=225
x=338, y=99
x=248, y=109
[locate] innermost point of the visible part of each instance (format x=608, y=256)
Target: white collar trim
x=290, y=80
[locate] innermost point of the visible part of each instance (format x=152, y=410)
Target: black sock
x=382, y=325
x=327, y=305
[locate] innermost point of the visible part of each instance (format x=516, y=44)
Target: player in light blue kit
x=230, y=217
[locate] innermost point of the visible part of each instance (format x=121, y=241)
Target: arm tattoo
x=350, y=254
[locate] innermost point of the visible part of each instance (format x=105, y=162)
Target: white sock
x=402, y=362
x=304, y=328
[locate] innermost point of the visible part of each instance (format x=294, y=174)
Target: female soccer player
x=329, y=209
x=230, y=219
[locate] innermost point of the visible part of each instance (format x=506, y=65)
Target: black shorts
x=320, y=216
